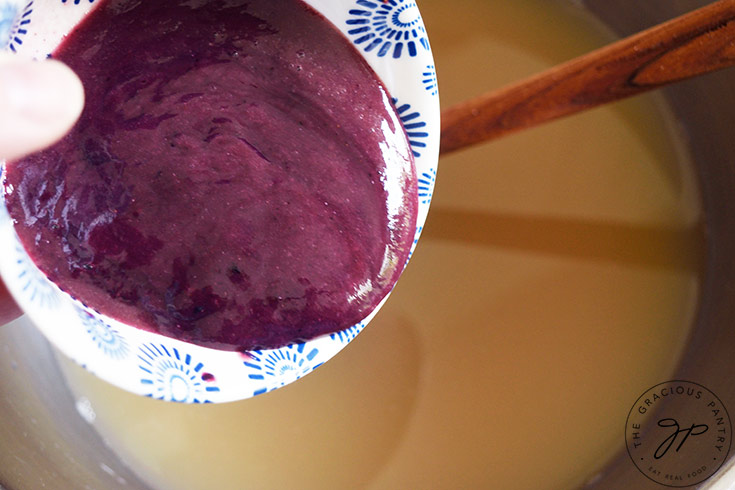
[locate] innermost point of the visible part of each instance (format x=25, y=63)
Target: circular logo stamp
x=678, y=433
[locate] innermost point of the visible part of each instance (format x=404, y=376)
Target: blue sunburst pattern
x=414, y=125
x=14, y=24
x=347, y=335
x=429, y=80
x=387, y=26
x=276, y=368
x=416, y=236
x=426, y=185
x=171, y=375
x=106, y=338
x=390, y=35
x=33, y=283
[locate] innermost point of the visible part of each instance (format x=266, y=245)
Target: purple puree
x=238, y=179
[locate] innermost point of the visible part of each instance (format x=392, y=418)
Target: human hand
x=39, y=103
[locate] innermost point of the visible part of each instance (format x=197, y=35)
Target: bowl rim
x=157, y=366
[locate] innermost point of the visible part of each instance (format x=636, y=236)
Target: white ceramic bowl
x=391, y=37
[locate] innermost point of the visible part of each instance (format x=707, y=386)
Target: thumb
x=39, y=103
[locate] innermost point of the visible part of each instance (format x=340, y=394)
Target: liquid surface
x=555, y=282
x=226, y=184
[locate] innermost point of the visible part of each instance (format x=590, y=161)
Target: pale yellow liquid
x=555, y=282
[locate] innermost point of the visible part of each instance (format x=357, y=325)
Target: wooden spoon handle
x=695, y=43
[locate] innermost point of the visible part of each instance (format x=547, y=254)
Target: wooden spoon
x=693, y=44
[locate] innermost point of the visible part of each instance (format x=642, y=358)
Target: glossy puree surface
x=238, y=179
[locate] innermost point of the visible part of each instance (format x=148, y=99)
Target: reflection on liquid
x=597, y=240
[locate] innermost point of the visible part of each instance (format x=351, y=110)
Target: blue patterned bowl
x=390, y=35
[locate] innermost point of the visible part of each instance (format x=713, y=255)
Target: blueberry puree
x=238, y=179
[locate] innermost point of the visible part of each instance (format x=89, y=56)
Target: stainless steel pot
x=44, y=443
